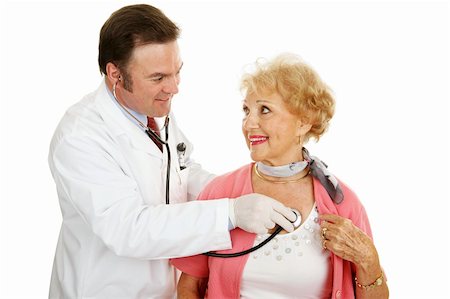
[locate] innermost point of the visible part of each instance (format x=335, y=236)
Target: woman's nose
x=250, y=121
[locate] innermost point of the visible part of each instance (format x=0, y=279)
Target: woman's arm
x=190, y=287
x=350, y=243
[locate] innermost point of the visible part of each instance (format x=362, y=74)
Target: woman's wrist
x=377, y=282
x=368, y=273
x=369, y=270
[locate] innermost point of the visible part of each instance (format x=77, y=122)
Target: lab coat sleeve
x=92, y=183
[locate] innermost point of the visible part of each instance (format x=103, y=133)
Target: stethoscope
x=296, y=224
x=150, y=134
x=181, y=147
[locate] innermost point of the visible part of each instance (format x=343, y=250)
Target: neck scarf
x=318, y=170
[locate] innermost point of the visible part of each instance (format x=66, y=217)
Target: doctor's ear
x=113, y=73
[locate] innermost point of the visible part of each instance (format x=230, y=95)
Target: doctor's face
x=271, y=131
x=154, y=74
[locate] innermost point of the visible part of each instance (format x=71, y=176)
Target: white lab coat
x=117, y=233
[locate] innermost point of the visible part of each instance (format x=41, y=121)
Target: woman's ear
x=303, y=128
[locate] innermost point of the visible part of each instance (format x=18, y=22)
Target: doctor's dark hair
x=130, y=27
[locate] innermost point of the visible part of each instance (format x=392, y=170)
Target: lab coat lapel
x=121, y=126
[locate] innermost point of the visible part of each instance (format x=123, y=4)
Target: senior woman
x=331, y=254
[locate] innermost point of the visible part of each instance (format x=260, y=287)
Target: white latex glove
x=257, y=213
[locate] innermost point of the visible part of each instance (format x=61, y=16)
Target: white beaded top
x=292, y=265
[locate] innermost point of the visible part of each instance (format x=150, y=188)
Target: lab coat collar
x=142, y=118
x=120, y=125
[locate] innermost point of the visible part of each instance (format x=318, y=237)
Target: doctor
x=118, y=232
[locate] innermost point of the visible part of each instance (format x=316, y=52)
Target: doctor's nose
x=171, y=85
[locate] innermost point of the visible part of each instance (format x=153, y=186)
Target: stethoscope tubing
x=150, y=134
x=296, y=224
x=236, y=254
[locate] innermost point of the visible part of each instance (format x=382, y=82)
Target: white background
x=387, y=62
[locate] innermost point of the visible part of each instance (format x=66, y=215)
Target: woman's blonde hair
x=305, y=94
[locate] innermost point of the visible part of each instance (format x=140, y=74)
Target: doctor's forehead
x=160, y=58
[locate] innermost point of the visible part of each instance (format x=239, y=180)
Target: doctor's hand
x=257, y=213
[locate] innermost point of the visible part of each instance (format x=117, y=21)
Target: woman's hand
x=347, y=241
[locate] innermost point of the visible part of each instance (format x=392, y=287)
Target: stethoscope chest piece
x=298, y=220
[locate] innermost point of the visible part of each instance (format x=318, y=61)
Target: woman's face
x=271, y=131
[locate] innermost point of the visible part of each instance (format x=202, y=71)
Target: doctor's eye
x=157, y=79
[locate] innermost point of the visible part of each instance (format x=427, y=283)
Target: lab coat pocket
x=178, y=189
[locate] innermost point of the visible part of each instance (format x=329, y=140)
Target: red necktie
x=151, y=123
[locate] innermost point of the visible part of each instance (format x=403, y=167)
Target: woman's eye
x=245, y=110
x=265, y=110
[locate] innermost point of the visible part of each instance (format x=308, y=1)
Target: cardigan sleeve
x=362, y=222
x=355, y=211
x=196, y=265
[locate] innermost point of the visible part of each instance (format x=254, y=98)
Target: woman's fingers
x=343, y=238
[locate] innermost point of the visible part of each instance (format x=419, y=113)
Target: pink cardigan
x=225, y=273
